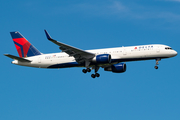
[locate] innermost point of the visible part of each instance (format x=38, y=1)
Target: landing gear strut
x=157, y=63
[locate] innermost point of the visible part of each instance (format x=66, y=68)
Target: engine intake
x=117, y=68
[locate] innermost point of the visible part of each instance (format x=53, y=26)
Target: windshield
x=168, y=48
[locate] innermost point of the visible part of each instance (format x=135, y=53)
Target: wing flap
x=17, y=58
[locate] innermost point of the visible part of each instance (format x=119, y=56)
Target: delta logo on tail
x=23, y=46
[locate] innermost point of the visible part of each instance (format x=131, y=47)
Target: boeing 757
x=110, y=59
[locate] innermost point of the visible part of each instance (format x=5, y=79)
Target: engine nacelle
x=103, y=58
x=117, y=68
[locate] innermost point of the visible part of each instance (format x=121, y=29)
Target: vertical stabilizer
x=23, y=46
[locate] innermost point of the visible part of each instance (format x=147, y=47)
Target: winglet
x=47, y=35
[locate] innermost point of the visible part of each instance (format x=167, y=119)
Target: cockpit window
x=168, y=48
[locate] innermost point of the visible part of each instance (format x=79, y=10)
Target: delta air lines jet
x=110, y=59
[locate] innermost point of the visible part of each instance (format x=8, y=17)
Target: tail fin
x=24, y=47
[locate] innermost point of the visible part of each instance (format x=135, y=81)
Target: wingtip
x=5, y=54
x=47, y=35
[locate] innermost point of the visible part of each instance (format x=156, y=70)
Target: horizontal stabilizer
x=17, y=58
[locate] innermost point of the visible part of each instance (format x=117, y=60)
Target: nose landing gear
x=157, y=63
x=156, y=67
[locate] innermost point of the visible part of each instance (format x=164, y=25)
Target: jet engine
x=117, y=68
x=103, y=58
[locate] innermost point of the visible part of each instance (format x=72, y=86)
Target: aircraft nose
x=175, y=53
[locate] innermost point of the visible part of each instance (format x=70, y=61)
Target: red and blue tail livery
x=23, y=46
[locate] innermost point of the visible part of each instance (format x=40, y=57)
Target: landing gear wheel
x=84, y=71
x=96, y=68
x=97, y=74
x=93, y=75
x=156, y=67
x=88, y=70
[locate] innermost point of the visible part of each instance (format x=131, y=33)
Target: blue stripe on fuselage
x=65, y=65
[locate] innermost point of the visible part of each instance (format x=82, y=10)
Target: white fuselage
x=119, y=54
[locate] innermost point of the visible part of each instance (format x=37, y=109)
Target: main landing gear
x=157, y=63
x=86, y=70
x=96, y=68
x=95, y=75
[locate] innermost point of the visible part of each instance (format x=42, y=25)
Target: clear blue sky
x=141, y=93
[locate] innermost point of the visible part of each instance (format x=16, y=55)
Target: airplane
x=110, y=59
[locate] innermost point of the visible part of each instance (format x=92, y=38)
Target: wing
x=78, y=54
x=17, y=58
